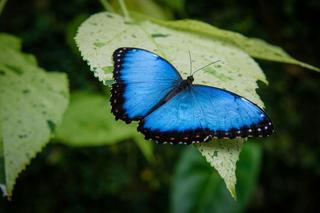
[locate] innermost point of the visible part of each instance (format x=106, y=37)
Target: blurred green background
x=118, y=178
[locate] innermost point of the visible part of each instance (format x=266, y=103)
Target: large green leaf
x=196, y=188
x=255, y=47
x=147, y=7
x=32, y=103
x=102, y=33
x=10, y=41
x=89, y=122
x=223, y=156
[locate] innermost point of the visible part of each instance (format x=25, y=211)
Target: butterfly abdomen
x=182, y=85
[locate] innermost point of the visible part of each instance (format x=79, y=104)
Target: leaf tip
x=3, y=188
x=232, y=190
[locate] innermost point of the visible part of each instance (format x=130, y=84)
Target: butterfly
x=148, y=89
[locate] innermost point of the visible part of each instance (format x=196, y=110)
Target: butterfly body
x=169, y=109
x=182, y=85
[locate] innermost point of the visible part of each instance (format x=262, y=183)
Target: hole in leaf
x=107, y=69
x=25, y=91
x=109, y=82
x=98, y=44
x=156, y=35
x=51, y=125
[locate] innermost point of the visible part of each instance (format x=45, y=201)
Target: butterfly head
x=190, y=79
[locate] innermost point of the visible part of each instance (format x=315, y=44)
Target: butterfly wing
x=142, y=79
x=201, y=112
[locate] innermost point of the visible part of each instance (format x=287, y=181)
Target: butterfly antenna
x=190, y=63
x=201, y=68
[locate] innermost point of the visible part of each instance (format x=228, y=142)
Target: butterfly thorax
x=182, y=85
x=190, y=79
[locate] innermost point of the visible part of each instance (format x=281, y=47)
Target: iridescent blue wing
x=142, y=79
x=199, y=113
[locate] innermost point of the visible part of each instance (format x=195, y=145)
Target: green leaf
x=89, y=122
x=196, y=188
x=32, y=103
x=177, y=5
x=248, y=171
x=10, y=41
x=102, y=33
x=223, y=156
x=146, y=147
x=255, y=47
x=147, y=7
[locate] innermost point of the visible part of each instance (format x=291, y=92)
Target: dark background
x=67, y=179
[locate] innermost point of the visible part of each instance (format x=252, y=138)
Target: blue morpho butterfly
x=169, y=109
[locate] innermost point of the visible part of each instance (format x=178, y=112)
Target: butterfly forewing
x=141, y=79
x=194, y=114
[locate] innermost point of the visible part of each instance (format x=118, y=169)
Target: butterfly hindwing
x=142, y=78
x=148, y=88
x=202, y=112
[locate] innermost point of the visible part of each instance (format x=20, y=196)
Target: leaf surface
x=88, y=121
x=236, y=71
x=223, y=156
x=32, y=103
x=257, y=48
x=197, y=188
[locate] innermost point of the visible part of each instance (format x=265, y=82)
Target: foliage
x=237, y=72
x=196, y=188
x=257, y=48
x=32, y=105
x=111, y=31
x=88, y=122
x=147, y=7
x=83, y=178
x=223, y=156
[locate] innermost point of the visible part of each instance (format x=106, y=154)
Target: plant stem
x=2, y=4
x=124, y=9
x=107, y=6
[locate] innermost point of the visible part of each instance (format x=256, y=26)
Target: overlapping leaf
x=257, y=48
x=88, y=121
x=32, y=102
